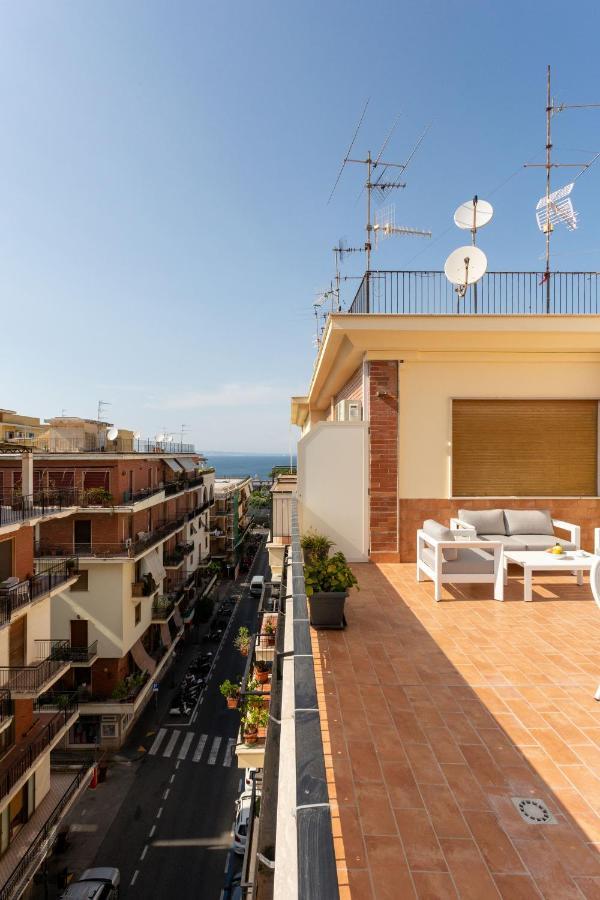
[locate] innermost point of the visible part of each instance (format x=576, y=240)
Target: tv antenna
x=183, y=429
x=556, y=207
x=379, y=185
x=385, y=225
x=101, y=405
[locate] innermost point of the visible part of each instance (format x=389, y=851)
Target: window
x=524, y=448
x=82, y=582
x=137, y=611
x=95, y=478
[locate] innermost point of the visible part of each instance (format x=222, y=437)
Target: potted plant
x=231, y=692
x=269, y=633
x=261, y=671
x=327, y=583
x=315, y=546
x=242, y=641
x=256, y=717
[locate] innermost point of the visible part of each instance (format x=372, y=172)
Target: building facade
x=231, y=520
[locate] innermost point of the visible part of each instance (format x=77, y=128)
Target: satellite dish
x=160, y=437
x=137, y=436
x=112, y=433
x=473, y=214
x=168, y=438
x=465, y=266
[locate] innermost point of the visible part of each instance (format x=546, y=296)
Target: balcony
x=16, y=595
x=17, y=510
x=65, y=651
x=497, y=293
x=163, y=608
x=174, y=559
x=129, y=548
x=32, y=680
x=27, y=850
x=51, y=720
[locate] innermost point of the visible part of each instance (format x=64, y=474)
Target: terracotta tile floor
x=435, y=715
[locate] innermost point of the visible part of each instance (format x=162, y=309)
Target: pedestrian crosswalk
x=213, y=750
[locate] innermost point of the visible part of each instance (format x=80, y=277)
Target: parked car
x=256, y=585
x=242, y=816
x=94, y=884
x=249, y=776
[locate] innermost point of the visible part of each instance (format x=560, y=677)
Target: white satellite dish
x=465, y=266
x=168, y=438
x=473, y=214
x=112, y=433
x=160, y=437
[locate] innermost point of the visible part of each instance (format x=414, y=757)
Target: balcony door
x=82, y=535
x=17, y=641
x=79, y=633
x=6, y=556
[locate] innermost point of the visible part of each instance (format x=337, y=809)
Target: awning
x=174, y=466
x=165, y=634
x=142, y=659
x=187, y=464
x=152, y=564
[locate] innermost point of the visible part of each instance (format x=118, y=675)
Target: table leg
x=527, y=591
x=579, y=574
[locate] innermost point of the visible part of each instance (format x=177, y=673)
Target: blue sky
x=165, y=167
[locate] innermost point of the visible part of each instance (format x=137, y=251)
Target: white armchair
x=467, y=561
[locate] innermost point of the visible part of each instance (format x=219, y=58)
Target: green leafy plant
x=229, y=688
x=256, y=717
x=97, y=496
x=242, y=640
x=261, y=665
x=329, y=575
x=120, y=691
x=315, y=546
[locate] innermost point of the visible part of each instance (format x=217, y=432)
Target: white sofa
x=517, y=529
x=468, y=560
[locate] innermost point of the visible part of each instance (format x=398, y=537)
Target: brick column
x=383, y=460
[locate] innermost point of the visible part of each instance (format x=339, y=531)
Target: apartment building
x=412, y=408
x=35, y=715
x=231, y=520
x=140, y=532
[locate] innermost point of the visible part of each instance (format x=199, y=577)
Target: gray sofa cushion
x=468, y=562
x=544, y=542
x=484, y=521
x=528, y=521
x=440, y=533
x=510, y=542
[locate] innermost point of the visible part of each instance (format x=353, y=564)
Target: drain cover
x=534, y=811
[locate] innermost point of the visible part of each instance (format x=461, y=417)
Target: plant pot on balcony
x=137, y=589
x=327, y=609
x=233, y=702
x=250, y=734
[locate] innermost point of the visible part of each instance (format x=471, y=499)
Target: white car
x=242, y=816
x=256, y=585
x=249, y=776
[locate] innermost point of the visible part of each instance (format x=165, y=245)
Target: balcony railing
x=497, y=293
x=15, y=596
x=64, y=650
x=162, y=608
x=16, y=507
x=143, y=494
x=39, y=844
x=32, y=679
x=127, y=548
x=14, y=769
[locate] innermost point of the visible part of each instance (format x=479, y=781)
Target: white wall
x=42, y=780
x=38, y=627
x=425, y=411
x=332, y=485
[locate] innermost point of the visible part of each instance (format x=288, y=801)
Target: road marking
x=178, y=763
x=134, y=879
x=172, y=778
x=171, y=745
x=152, y=830
x=166, y=793
x=227, y=759
x=240, y=785
x=213, y=751
x=200, y=748
x=157, y=741
x=183, y=752
x=227, y=858
x=144, y=851
x=159, y=813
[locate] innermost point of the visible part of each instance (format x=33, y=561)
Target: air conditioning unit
x=348, y=411
x=128, y=543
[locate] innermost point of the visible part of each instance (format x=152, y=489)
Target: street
x=172, y=834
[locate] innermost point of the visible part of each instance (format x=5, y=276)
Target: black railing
x=31, y=679
x=6, y=707
x=16, y=507
x=65, y=651
x=129, y=548
x=174, y=487
x=497, y=293
x=142, y=494
x=13, y=770
x=39, y=845
x=22, y=593
x=162, y=608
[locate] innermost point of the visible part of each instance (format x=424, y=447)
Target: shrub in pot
x=261, y=671
x=242, y=641
x=315, y=546
x=231, y=692
x=269, y=633
x=256, y=717
x=327, y=583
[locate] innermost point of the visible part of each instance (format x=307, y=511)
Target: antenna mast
x=101, y=405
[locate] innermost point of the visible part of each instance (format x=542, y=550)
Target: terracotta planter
x=251, y=737
x=261, y=677
x=327, y=609
x=244, y=651
x=233, y=702
x=270, y=640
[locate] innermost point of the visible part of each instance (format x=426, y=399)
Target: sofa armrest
x=574, y=531
x=459, y=525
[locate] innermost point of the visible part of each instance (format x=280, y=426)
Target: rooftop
x=436, y=716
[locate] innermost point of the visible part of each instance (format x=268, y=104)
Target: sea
x=258, y=465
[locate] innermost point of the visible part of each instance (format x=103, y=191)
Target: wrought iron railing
x=142, y=494
x=65, y=651
x=39, y=845
x=16, y=507
x=14, y=769
x=15, y=596
x=99, y=549
x=497, y=293
x=162, y=608
x=31, y=679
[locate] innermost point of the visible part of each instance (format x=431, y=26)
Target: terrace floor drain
x=534, y=811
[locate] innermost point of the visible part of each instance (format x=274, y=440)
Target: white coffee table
x=539, y=561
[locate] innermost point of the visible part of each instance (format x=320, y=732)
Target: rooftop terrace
x=435, y=716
